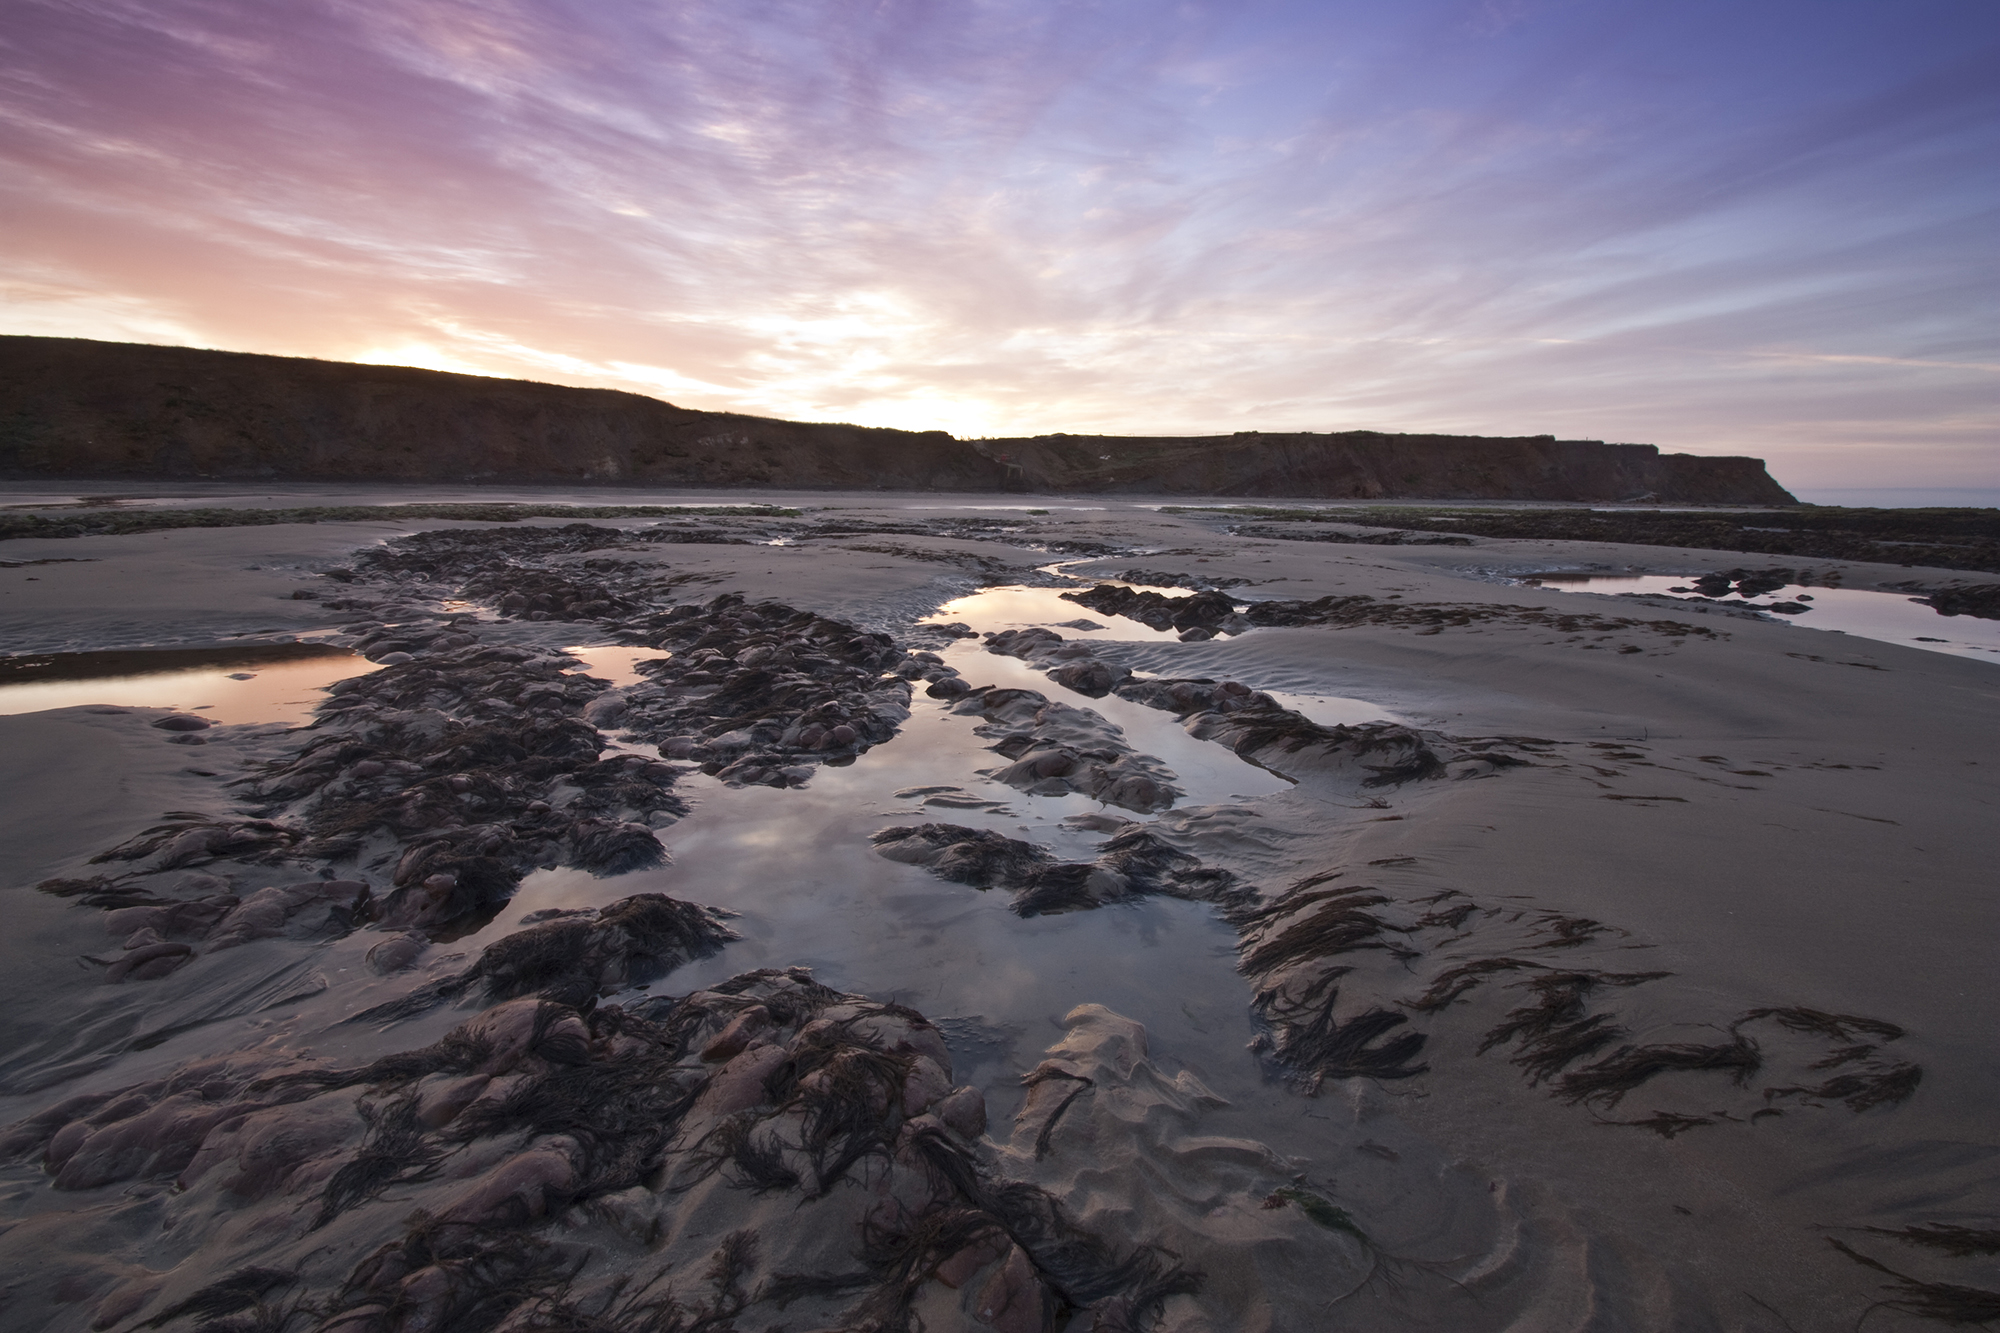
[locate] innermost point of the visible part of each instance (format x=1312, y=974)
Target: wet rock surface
x=1980, y=599
x=432, y=786
x=1055, y=749
x=1136, y=861
x=578, y=955
x=1205, y=614
x=761, y=694
x=1073, y=666
x=764, y=1152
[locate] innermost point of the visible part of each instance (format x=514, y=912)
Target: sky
x=1761, y=226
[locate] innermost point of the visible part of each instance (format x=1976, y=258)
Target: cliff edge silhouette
x=78, y=409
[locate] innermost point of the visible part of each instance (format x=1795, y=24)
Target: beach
x=1287, y=928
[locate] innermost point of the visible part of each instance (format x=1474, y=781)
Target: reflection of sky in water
x=798, y=869
x=272, y=692
x=1890, y=617
x=614, y=662
x=997, y=609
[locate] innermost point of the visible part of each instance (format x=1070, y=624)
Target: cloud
x=1717, y=229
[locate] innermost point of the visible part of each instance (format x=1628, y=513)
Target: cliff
x=77, y=409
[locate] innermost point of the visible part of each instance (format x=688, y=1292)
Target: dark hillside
x=78, y=409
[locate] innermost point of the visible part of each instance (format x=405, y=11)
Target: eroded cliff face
x=74, y=408
x=1371, y=465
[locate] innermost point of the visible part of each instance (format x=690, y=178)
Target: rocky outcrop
x=75, y=408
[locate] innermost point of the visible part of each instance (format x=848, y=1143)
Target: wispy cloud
x=1720, y=229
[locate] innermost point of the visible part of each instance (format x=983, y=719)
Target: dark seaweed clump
x=1328, y=963
x=534, y=1114
x=580, y=956
x=1133, y=863
x=440, y=771
x=759, y=694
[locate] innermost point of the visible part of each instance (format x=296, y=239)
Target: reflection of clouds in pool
x=994, y=609
x=272, y=692
x=614, y=662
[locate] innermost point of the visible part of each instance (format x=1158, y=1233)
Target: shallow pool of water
x=1890, y=617
x=261, y=683
x=614, y=662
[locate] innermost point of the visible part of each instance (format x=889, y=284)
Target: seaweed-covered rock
x=1056, y=749
x=1134, y=862
x=544, y=1166
x=754, y=693
x=582, y=954
x=1201, y=610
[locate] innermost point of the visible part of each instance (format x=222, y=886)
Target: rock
x=1012, y=1301
x=924, y=1086
x=605, y=710
x=739, y=1085
x=734, y=1038
x=440, y=1099
x=397, y=953
x=149, y=962
x=964, y=1112
x=182, y=722
x=964, y=1265
x=523, y=1189
x=1087, y=677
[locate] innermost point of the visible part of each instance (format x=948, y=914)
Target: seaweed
x=622, y=1114
x=238, y=1291
x=574, y=959
x=1061, y=888
x=397, y=1151
x=1043, y=1075
x=1340, y=925
x=760, y=1163
x=1555, y=1031
x=842, y=1094
x=901, y=1256
x=1607, y=1081
x=488, y=1273
x=1311, y=1039
x=1320, y=1212
x=1547, y=1055
x=1667, y=1124
x=1455, y=982
x=1864, y=1091
x=1946, y=1302
x=1957, y=1241
x=1834, y=1027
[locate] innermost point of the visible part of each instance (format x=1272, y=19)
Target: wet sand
x=1453, y=954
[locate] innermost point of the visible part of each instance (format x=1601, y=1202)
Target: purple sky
x=1765, y=227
